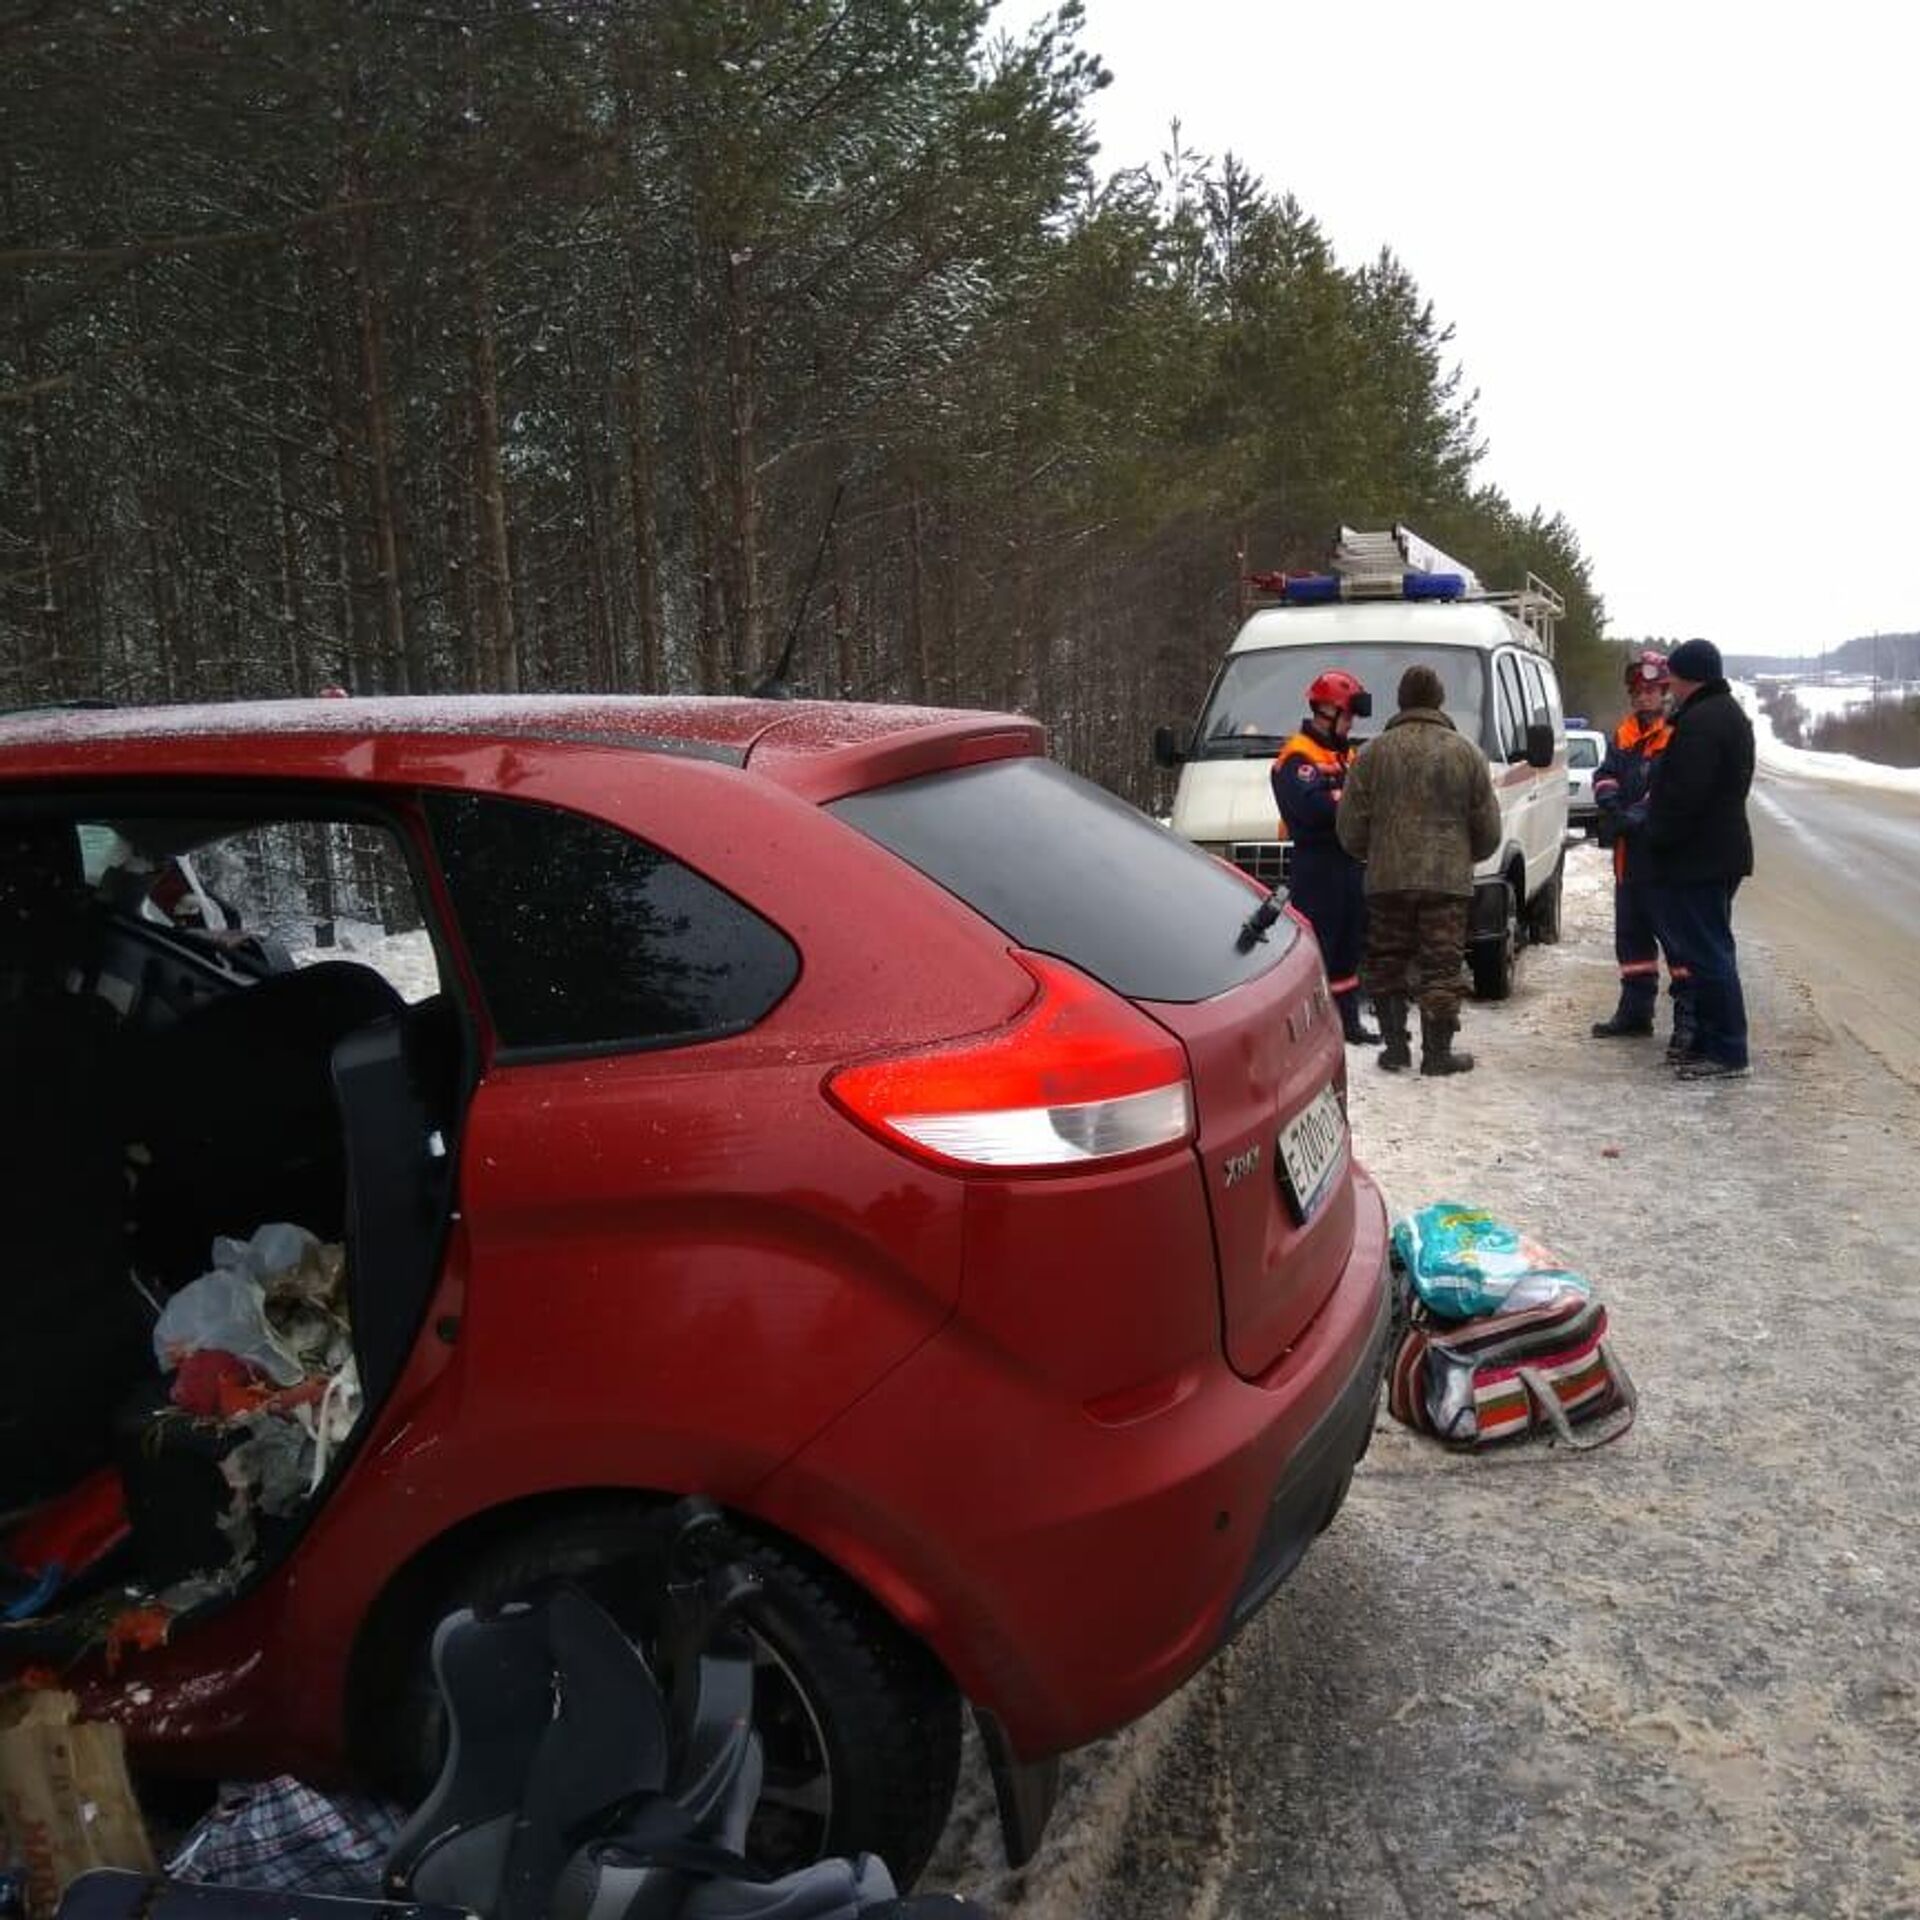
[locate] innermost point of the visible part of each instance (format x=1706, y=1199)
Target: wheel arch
x=417, y=1592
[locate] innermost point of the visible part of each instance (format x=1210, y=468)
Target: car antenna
x=774, y=686
x=1261, y=918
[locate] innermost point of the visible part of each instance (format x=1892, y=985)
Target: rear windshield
x=1260, y=698
x=1064, y=868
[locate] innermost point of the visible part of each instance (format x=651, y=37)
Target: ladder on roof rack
x=1538, y=607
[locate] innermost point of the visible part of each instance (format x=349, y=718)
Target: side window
x=1513, y=707
x=588, y=940
x=277, y=894
x=1539, y=683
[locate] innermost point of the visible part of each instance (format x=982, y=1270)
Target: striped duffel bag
x=1542, y=1369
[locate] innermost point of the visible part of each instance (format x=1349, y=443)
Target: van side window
x=1513, y=708
x=1539, y=706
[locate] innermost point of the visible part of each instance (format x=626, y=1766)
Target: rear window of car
x=1064, y=868
x=587, y=939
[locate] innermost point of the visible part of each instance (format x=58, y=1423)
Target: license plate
x=1312, y=1145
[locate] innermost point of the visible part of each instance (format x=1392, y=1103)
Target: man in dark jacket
x=1701, y=850
x=1309, y=774
x=1420, y=810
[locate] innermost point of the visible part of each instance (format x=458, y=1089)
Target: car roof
x=1381, y=623
x=817, y=748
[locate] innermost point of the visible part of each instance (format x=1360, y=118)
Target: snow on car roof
x=784, y=738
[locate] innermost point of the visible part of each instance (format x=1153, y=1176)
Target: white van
x=1502, y=692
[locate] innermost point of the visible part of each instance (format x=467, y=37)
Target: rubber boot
x=1436, y=1046
x=1357, y=1033
x=1397, y=1055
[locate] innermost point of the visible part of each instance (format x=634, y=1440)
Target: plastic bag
x=223, y=1312
x=1464, y=1263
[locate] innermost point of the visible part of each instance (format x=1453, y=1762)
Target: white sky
x=1678, y=245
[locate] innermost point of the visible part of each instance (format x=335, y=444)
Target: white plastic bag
x=223, y=1312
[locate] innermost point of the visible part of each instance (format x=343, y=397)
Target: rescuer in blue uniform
x=1325, y=882
x=1620, y=791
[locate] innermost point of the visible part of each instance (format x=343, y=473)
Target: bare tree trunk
x=919, y=664
x=748, y=641
x=712, y=666
x=643, y=505
x=844, y=592
x=293, y=616
x=502, y=670
x=461, y=514
x=381, y=461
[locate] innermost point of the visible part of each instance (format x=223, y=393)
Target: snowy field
x=1775, y=756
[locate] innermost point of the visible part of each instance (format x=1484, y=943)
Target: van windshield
x=1260, y=698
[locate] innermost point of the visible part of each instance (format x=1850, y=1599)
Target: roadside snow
x=1843, y=769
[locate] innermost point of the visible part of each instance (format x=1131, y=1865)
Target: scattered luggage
x=1499, y=1340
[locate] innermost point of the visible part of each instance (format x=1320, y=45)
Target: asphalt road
x=1836, y=890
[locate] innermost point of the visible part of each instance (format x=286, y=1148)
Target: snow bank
x=1840, y=769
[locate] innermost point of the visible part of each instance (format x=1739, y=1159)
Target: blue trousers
x=1637, y=946
x=1329, y=887
x=1696, y=928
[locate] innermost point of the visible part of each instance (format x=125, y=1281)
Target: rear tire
x=859, y=1723
x=1492, y=957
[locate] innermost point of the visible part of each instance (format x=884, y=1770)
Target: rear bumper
x=1069, y=1572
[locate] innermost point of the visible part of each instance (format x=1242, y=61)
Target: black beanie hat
x=1696, y=660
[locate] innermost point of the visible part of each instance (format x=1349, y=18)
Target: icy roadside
x=1843, y=769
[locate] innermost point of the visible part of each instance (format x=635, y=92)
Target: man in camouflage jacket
x=1419, y=809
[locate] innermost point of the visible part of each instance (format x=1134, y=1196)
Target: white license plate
x=1312, y=1145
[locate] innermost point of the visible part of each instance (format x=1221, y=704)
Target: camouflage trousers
x=1415, y=945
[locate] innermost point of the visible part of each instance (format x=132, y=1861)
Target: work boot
x=1357, y=1033
x=1681, y=1043
x=1436, y=1046
x=1624, y=1023
x=1397, y=1055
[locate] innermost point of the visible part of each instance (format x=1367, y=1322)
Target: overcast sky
x=1677, y=243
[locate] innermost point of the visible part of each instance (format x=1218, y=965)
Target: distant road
x=1836, y=891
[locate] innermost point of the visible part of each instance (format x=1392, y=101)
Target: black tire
x=1492, y=958
x=859, y=1724
x=1543, y=915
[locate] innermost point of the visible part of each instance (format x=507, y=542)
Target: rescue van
x=1391, y=599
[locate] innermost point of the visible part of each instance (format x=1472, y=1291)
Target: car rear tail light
x=1079, y=1078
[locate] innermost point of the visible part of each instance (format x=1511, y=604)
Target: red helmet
x=1647, y=669
x=1342, y=692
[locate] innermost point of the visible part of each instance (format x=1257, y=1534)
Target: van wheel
x=1493, y=955
x=1543, y=916
x=859, y=1724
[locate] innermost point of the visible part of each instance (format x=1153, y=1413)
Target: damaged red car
x=437, y=1132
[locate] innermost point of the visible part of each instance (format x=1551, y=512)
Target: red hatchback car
x=843, y=1112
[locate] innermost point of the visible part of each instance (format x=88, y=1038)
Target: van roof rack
x=1397, y=564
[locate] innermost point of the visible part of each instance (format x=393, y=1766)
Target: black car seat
x=236, y=1114
x=631, y=1805
x=77, y=1332
x=552, y=1719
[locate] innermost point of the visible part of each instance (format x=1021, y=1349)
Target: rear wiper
x=1261, y=918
